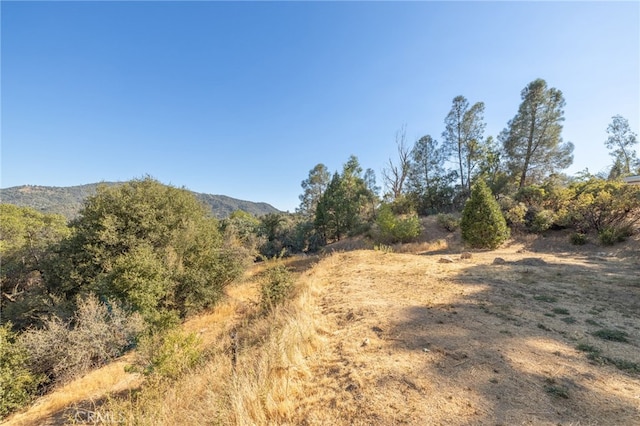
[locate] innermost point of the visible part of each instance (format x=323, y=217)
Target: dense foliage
x=393, y=228
x=17, y=382
x=26, y=237
x=532, y=140
x=345, y=205
x=599, y=205
x=153, y=247
x=482, y=223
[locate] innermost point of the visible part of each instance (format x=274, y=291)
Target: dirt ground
x=539, y=336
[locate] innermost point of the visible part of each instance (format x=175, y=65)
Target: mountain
x=68, y=200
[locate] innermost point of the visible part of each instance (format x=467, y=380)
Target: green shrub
x=482, y=223
x=151, y=246
x=542, y=221
x=169, y=354
x=448, y=221
x=579, y=239
x=17, y=383
x=598, y=204
x=612, y=235
x=276, y=285
x=396, y=229
x=612, y=335
x=515, y=215
x=531, y=195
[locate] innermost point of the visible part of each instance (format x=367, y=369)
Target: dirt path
x=414, y=341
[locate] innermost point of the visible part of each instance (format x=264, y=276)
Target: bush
x=152, y=246
x=515, y=215
x=276, y=285
x=578, y=239
x=612, y=235
x=448, y=222
x=98, y=333
x=482, y=223
x=17, y=383
x=169, y=354
x=532, y=195
x=541, y=221
x=396, y=229
x=599, y=204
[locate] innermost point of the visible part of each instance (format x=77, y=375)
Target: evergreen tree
x=342, y=207
x=482, y=224
x=532, y=140
x=429, y=183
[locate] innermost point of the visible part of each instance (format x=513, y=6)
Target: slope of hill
x=380, y=338
x=68, y=201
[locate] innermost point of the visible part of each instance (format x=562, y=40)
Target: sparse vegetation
x=612, y=235
x=579, y=239
x=594, y=354
x=97, y=333
x=449, y=221
x=276, y=286
x=612, y=335
x=556, y=391
x=545, y=298
x=169, y=354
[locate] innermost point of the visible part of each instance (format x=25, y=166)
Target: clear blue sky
x=243, y=99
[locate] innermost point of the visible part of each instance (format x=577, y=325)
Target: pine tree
x=532, y=140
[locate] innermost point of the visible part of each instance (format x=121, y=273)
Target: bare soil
x=412, y=340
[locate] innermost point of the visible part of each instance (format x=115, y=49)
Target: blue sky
x=244, y=98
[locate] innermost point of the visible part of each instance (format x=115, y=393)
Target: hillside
x=537, y=332
x=68, y=201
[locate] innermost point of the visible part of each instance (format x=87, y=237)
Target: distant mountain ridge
x=68, y=200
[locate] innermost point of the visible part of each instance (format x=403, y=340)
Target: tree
x=369, y=179
x=152, y=246
x=395, y=175
x=314, y=186
x=27, y=238
x=621, y=142
x=463, y=136
x=429, y=183
x=492, y=168
x=482, y=224
x=342, y=206
x=532, y=140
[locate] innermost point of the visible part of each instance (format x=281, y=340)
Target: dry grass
x=94, y=386
x=381, y=338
